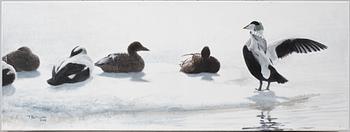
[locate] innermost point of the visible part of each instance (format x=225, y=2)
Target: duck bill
x=248, y=27
x=144, y=49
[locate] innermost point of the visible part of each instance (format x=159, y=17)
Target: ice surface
x=161, y=97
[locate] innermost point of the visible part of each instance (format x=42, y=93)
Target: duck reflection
x=8, y=90
x=267, y=123
x=266, y=101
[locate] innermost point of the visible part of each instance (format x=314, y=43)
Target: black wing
x=69, y=69
x=299, y=45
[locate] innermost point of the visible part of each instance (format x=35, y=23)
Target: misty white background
x=161, y=97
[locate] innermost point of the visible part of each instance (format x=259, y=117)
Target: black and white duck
x=76, y=68
x=260, y=58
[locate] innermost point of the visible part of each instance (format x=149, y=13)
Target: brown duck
x=200, y=62
x=124, y=62
x=22, y=59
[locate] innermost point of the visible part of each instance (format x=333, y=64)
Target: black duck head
x=78, y=50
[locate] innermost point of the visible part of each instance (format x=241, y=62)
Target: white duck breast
x=257, y=44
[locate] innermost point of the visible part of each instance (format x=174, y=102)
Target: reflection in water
x=134, y=76
x=204, y=76
x=70, y=86
x=267, y=123
x=28, y=74
x=266, y=101
x=8, y=90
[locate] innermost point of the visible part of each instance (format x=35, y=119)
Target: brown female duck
x=124, y=62
x=22, y=59
x=200, y=62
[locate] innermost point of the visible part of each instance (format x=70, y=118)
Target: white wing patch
x=271, y=50
x=72, y=76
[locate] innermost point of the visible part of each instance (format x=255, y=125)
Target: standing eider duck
x=76, y=68
x=124, y=62
x=259, y=57
x=200, y=62
x=22, y=59
x=8, y=74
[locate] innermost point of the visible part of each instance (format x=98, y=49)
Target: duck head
x=136, y=46
x=58, y=77
x=205, y=52
x=25, y=49
x=56, y=80
x=78, y=50
x=254, y=26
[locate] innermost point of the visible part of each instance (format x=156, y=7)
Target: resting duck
x=22, y=59
x=259, y=57
x=76, y=68
x=124, y=62
x=8, y=74
x=200, y=62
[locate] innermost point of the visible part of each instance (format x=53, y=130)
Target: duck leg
x=259, y=89
x=268, y=86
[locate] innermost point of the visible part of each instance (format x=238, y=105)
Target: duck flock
x=258, y=56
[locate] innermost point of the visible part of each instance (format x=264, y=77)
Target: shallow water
x=315, y=98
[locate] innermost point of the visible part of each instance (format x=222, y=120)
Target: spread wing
x=298, y=45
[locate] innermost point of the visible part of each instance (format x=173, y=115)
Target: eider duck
x=124, y=62
x=200, y=62
x=76, y=68
x=22, y=59
x=8, y=74
x=259, y=57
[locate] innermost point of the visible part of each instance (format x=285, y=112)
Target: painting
x=190, y=65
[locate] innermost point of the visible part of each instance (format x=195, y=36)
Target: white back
x=83, y=59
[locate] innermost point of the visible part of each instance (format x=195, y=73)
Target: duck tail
x=276, y=76
x=281, y=79
x=189, y=54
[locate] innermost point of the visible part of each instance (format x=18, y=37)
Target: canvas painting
x=191, y=65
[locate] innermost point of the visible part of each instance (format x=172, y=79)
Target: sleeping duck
x=8, y=74
x=76, y=68
x=200, y=62
x=124, y=62
x=22, y=59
